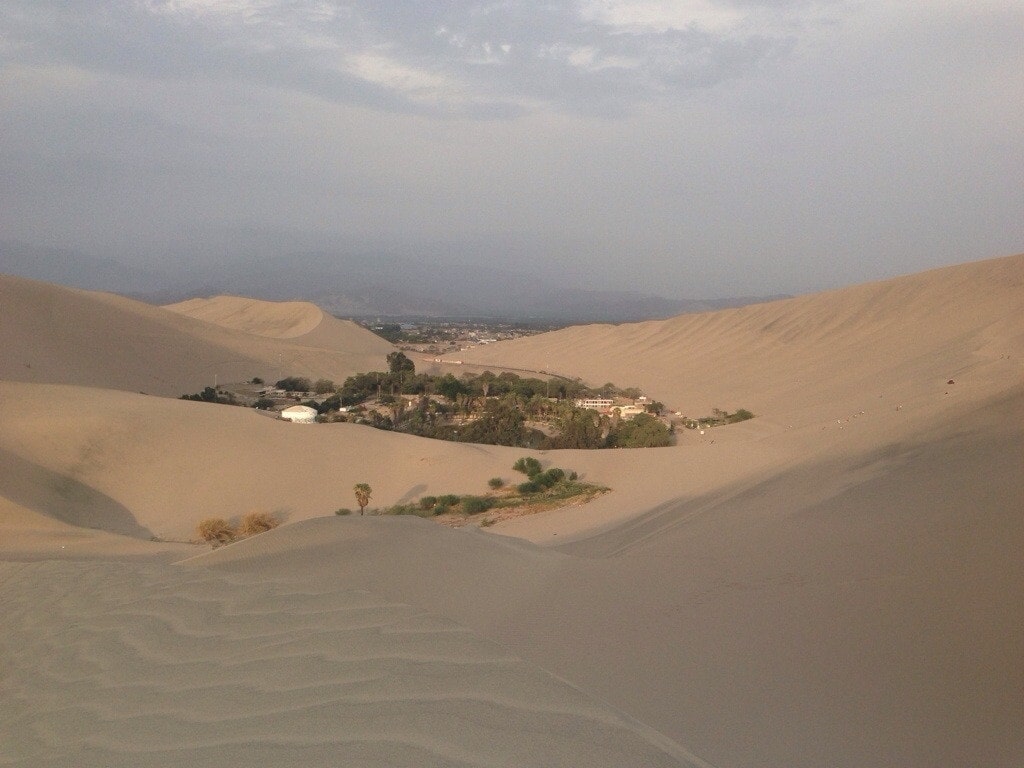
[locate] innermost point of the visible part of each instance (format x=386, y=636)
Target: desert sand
x=835, y=582
x=52, y=334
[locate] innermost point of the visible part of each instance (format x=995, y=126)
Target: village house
x=627, y=412
x=602, y=404
x=623, y=408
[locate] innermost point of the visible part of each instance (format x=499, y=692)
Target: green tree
x=450, y=387
x=295, y=384
x=323, y=386
x=579, y=428
x=362, y=491
x=643, y=431
x=400, y=364
x=502, y=423
x=484, y=381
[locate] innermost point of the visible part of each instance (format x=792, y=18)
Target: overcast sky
x=684, y=147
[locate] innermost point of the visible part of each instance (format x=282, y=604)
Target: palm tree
x=362, y=491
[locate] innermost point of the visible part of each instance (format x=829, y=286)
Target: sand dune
x=147, y=466
x=275, y=319
x=854, y=611
x=901, y=338
x=836, y=582
x=52, y=334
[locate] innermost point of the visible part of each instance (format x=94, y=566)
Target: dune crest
x=273, y=319
x=56, y=335
x=896, y=337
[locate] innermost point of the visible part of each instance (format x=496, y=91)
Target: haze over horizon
x=687, y=149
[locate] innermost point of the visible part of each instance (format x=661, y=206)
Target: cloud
x=659, y=16
x=459, y=58
x=739, y=145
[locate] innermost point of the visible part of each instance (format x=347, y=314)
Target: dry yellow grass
x=257, y=522
x=216, y=531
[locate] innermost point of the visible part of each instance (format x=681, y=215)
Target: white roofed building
x=299, y=414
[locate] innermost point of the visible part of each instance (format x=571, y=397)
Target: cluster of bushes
x=552, y=484
x=718, y=418
x=539, y=479
x=212, y=395
x=431, y=506
x=218, y=531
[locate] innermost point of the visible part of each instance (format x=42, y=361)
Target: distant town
x=442, y=336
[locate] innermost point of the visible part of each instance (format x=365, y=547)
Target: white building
x=299, y=414
x=595, y=403
x=627, y=412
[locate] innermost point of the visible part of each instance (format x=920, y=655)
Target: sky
x=688, y=148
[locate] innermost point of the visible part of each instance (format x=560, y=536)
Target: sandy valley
x=835, y=582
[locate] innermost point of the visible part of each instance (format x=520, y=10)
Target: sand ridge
x=52, y=334
x=275, y=319
x=298, y=322
x=962, y=322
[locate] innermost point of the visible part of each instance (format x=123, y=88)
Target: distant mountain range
x=359, y=285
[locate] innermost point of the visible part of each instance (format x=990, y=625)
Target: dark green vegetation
x=543, y=490
x=643, y=431
x=718, y=418
x=212, y=395
x=488, y=408
x=502, y=409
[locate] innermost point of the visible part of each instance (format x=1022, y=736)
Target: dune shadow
x=64, y=498
x=413, y=493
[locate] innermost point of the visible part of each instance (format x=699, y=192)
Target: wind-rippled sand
x=121, y=664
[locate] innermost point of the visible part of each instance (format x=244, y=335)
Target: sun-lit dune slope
x=298, y=321
x=899, y=337
x=846, y=610
x=53, y=334
x=275, y=319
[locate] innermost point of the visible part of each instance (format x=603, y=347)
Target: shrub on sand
x=474, y=505
x=216, y=531
x=550, y=477
x=257, y=522
x=528, y=465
